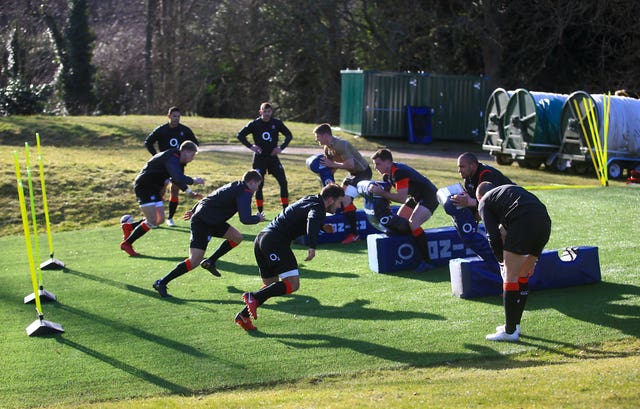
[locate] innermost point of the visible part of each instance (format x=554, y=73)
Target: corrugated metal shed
x=373, y=103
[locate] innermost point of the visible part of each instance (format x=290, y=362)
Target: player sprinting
x=209, y=219
x=272, y=247
x=170, y=136
x=148, y=186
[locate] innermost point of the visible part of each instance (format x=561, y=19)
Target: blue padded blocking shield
x=473, y=277
x=552, y=272
x=388, y=254
x=470, y=277
x=341, y=228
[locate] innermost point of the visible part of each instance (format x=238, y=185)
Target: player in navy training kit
x=148, y=186
x=519, y=227
x=209, y=219
x=416, y=193
x=169, y=136
x=463, y=207
x=265, y=130
x=272, y=247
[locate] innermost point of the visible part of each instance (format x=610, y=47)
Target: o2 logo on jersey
x=266, y=136
x=274, y=257
x=468, y=228
x=173, y=142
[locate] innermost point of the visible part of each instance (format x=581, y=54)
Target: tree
x=77, y=70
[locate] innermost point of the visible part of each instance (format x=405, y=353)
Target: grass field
x=348, y=338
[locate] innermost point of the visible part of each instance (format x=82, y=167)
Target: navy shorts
x=430, y=202
x=528, y=236
x=268, y=164
x=273, y=254
x=202, y=232
x=148, y=194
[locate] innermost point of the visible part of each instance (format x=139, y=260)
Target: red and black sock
x=349, y=213
x=180, y=269
x=523, y=284
x=512, y=312
x=140, y=230
x=222, y=249
x=421, y=243
x=173, y=206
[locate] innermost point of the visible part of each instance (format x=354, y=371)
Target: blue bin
x=419, y=124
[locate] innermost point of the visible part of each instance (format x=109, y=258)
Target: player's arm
x=401, y=193
x=242, y=137
x=314, y=224
x=150, y=140
x=192, y=137
x=464, y=199
x=243, y=203
x=288, y=136
x=492, y=225
x=180, y=179
x=348, y=164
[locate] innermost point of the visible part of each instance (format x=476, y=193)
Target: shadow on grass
x=355, y=310
x=118, y=326
x=252, y=270
x=176, y=259
x=150, y=292
x=113, y=283
x=123, y=366
x=478, y=356
x=309, y=306
x=437, y=275
x=605, y=304
x=477, y=353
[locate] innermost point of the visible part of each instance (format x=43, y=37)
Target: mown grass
x=348, y=338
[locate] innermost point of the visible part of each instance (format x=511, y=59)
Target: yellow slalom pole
x=586, y=138
x=592, y=137
x=597, y=143
x=27, y=236
x=607, y=113
x=34, y=219
x=44, y=197
x=587, y=108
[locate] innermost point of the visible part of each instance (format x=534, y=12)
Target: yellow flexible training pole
x=607, y=114
x=44, y=197
x=27, y=236
x=592, y=138
x=597, y=144
x=586, y=138
x=34, y=220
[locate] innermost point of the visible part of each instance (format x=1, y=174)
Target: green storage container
x=373, y=103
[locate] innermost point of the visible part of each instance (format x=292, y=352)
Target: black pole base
x=52, y=264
